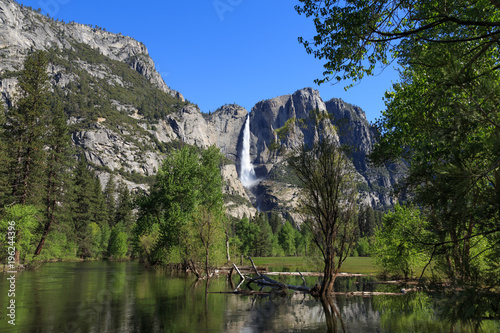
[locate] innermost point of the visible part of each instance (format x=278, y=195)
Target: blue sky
x=222, y=51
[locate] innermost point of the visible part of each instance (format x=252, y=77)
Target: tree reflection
x=334, y=321
x=463, y=311
x=472, y=308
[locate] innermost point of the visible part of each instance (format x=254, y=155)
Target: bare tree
x=328, y=202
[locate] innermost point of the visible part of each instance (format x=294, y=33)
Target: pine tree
x=57, y=166
x=263, y=240
x=99, y=207
x=86, y=206
x=275, y=222
x=5, y=189
x=109, y=197
x=27, y=127
x=123, y=213
x=286, y=238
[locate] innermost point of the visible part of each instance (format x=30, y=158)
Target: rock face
x=269, y=115
x=22, y=29
x=352, y=130
x=118, y=136
x=226, y=124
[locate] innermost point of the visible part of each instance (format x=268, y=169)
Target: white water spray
x=247, y=172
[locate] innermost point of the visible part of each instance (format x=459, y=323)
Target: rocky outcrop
x=269, y=115
x=226, y=123
x=346, y=123
x=22, y=29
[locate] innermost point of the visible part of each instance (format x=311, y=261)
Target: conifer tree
x=275, y=222
x=88, y=202
x=99, y=211
x=57, y=166
x=123, y=213
x=27, y=127
x=263, y=240
x=5, y=190
x=286, y=238
x=109, y=197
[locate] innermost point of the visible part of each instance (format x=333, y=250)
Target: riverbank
x=353, y=265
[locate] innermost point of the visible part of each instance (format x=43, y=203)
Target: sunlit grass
x=361, y=265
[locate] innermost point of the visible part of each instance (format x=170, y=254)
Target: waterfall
x=247, y=172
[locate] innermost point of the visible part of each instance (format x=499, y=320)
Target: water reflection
x=332, y=314
x=124, y=297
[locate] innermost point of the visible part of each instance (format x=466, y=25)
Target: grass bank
x=361, y=265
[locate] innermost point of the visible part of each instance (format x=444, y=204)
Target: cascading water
x=247, y=172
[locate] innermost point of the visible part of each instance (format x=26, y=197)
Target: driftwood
x=253, y=265
x=366, y=293
x=245, y=292
x=312, y=274
x=266, y=281
x=239, y=273
x=263, y=280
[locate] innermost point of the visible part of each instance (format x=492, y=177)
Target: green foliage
x=26, y=127
x=286, y=238
x=262, y=245
x=247, y=232
x=105, y=234
x=398, y=243
x=96, y=236
x=18, y=224
x=123, y=212
x=354, y=38
x=146, y=243
x=118, y=245
x=58, y=246
x=88, y=207
x=189, y=183
x=367, y=222
x=364, y=247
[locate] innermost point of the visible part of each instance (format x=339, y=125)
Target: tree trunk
x=329, y=275
x=44, y=236
x=227, y=248
x=16, y=254
x=206, y=260
x=51, y=206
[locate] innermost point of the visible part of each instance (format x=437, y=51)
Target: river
x=126, y=297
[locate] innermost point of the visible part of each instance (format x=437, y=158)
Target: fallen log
x=264, y=280
x=245, y=292
x=366, y=293
x=253, y=265
x=242, y=268
x=313, y=274
x=237, y=270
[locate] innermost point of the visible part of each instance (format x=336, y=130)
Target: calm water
x=124, y=297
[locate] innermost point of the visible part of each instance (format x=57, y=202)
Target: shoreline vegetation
x=353, y=266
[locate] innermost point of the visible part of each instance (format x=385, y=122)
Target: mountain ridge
x=124, y=118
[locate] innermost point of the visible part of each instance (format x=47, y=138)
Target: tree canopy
x=442, y=117
x=185, y=209
x=354, y=37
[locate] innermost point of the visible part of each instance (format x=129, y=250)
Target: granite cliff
x=278, y=191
